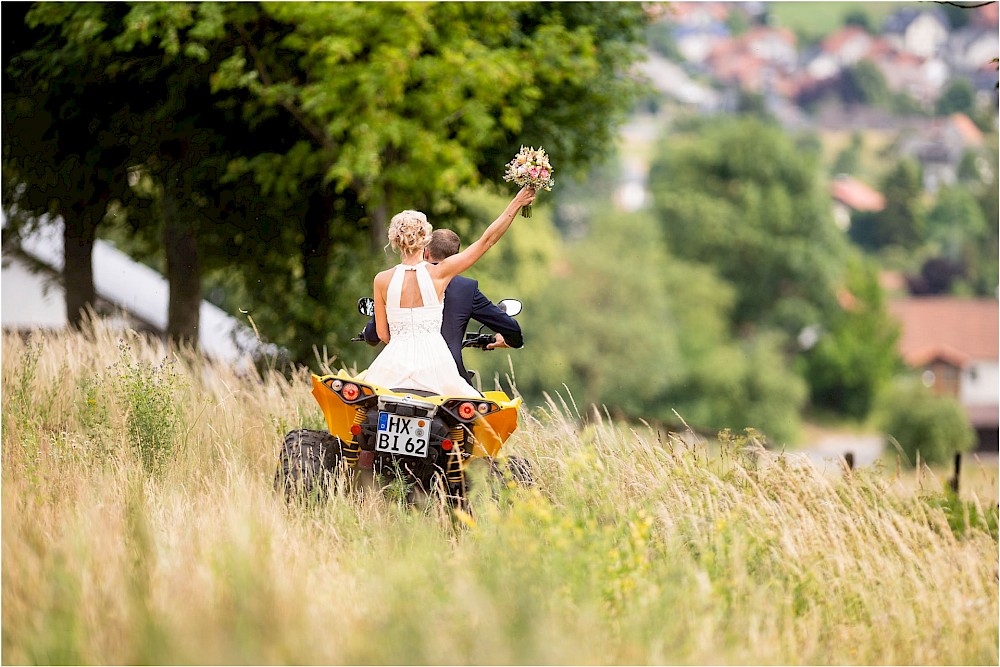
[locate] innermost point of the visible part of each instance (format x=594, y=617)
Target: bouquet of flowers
x=530, y=167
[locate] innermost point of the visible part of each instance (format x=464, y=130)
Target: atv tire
x=304, y=465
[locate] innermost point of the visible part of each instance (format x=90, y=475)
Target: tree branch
x=314, y=130
x=961, y=6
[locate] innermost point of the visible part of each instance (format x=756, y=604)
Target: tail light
x=355, y=429
x=466, y=411
x=350, y=391
x=447, y=444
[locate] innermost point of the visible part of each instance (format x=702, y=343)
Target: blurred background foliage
x=739, y=194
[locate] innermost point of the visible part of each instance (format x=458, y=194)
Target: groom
x=462, y=302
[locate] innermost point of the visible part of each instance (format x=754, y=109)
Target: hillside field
x=813, y=20
x=140, y=526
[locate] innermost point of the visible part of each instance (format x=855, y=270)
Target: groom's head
x=444, y=243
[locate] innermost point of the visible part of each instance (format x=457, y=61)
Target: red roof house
x=848, y=45
x=966, y=129
x=955, y=342
x=853, y=196
x=856, y=194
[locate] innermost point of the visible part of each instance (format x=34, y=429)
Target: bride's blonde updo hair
x=409, y=231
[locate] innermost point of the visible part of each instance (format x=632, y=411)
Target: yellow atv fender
x=489, y=432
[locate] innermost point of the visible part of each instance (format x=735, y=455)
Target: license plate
x=402, y=435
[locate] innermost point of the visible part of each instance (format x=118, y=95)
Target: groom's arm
x=370, y=334
x=486, y=312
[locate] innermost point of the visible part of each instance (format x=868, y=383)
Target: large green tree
x=864, y=83
x=959, y=96
x=902, y=221
x=61, y=156
x=987, y=266
x=855, y=355
x=957, y=233
x=340, y=113
x=403, y=104
x=98, y=99
x=740, y=196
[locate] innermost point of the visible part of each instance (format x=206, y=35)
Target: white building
x=922, y=33
x=32, y=295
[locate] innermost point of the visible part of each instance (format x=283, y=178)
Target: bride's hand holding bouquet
x=530, y=168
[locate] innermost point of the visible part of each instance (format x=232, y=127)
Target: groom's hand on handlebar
x=500, y=342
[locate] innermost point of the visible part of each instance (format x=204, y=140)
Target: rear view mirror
x=366, y=306
x=510, y=306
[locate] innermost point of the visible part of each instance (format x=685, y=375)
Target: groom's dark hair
x=444, y=243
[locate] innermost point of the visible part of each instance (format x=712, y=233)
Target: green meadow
x=140, y=526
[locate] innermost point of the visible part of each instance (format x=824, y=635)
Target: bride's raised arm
x=459, y=262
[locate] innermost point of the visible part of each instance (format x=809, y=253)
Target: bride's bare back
x=410, y=296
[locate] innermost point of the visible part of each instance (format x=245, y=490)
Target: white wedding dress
x=417, y=356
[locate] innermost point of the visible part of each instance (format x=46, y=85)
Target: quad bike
x=426, y=440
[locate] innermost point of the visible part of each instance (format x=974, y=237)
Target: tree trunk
x=183, y=272
x=79, y=232
x=316, y=246
x=78, y=264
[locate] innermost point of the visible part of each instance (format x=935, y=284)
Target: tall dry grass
x=144, y=529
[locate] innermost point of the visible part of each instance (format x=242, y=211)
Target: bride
x=409, y=301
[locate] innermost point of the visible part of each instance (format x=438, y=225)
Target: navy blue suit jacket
x=463, y=302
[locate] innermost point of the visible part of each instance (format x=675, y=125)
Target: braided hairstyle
x=409, y=231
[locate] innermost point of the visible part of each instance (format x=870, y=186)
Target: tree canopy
x=740, y=196
x=272, y=141
x=855, y=354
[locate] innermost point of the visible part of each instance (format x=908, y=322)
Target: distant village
x=916, y=50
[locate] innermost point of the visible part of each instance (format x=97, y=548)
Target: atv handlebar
x=480, y=340
x=471, y=340
x=366, y=306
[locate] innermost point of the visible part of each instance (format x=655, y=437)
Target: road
x=830, y=449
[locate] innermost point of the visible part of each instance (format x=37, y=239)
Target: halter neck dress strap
x=424, y=282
